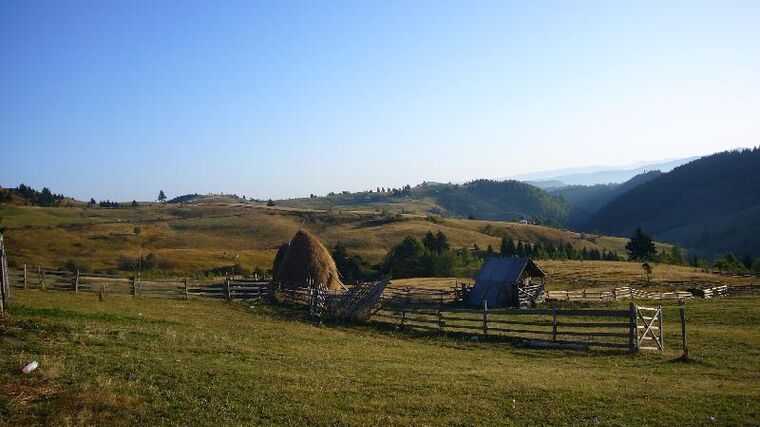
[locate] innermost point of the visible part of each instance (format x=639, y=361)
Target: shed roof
x=495, y=273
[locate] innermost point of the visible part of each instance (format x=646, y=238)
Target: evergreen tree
x=528, y=250
x=429, y=241
x=134, y=203
x=747, y=261
x=640, y=247
x=406, y=259
x=676, y=255
x=92, y=202
x=161, y=196
x=441, y=242
x=507, y=248
x=349, y=266
x=520, y=250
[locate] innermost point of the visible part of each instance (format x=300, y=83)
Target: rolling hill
x=711, y=205
x=190, y=238
x=481, y=199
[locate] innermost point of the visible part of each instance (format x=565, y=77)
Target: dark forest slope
x=589, y=199
x=711, y=204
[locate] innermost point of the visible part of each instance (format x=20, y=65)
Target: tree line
x=44, y=198
x=641, y=248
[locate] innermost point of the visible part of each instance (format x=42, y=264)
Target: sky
x=119, y=99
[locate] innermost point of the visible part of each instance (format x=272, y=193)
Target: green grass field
x=132, y=361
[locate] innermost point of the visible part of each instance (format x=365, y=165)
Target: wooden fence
x=630, y=293
x=181, y=288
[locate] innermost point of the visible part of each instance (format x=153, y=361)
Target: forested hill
x=502, y=200
x=588, y=199
x=711, y=205
x=480, y=199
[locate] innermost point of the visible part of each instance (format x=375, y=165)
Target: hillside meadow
x=195, y=237
x=135, y=361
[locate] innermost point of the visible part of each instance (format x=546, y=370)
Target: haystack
x=306, y=258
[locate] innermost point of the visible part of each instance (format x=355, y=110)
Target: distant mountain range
x=592, y=175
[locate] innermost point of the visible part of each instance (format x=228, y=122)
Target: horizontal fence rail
x=583, y=328
x=629, y=293
x=179, y=288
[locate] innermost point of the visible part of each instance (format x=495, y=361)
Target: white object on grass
x=30, y=367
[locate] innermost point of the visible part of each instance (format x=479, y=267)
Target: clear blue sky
x=118, y=99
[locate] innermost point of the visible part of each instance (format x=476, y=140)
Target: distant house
x=523, y=221
x=508, y=282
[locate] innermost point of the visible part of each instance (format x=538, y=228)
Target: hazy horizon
x=277, y=100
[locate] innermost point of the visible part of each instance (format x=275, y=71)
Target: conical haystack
x=307, y=258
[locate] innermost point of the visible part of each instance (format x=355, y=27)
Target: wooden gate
x=649, y=328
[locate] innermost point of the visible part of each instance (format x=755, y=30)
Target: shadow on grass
x=448, y=339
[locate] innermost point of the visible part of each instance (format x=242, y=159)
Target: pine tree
x=161, y=196
x=641, y=247
x=441, y=242
x=520, y=250
x=429, y=241
x=507, y=248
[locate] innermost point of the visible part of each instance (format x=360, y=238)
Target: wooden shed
x=508, y=282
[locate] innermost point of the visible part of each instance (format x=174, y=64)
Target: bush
x=147, y=263
x=74, y=266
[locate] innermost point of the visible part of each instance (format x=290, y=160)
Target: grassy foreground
x=150, y=361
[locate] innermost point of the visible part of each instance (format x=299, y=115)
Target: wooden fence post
x=227, y=288
x=485, y=319
x=187, y=295
x=662, y=332
x=633, y=334
x=440, y=312
x=42, y=277
x=614, y=294
x=403, y=309
x=554, y=322
x=682, y=310
x=76, y=282
x=24, y=276
x=132, y=285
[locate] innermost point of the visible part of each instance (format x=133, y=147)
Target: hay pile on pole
x=304, y=258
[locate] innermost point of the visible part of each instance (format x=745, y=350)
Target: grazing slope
x=711, y=205
x=195, y=237
x=483, y=199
